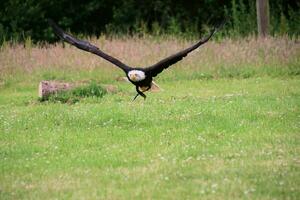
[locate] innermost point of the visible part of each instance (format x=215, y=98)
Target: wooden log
x=47, y=88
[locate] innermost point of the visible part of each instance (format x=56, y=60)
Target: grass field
x=225, y=126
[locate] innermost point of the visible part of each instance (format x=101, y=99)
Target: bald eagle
x=142, y=78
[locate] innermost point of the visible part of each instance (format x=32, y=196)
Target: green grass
x=199, y=139
x=225, y=126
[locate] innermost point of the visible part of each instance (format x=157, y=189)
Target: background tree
x=262, y=9
x=20, y=19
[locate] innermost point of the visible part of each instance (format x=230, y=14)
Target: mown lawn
x=226, y=138
x=225, y=126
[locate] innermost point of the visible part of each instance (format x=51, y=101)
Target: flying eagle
x=142, y=78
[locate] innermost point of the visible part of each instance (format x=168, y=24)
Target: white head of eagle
x=136, y=75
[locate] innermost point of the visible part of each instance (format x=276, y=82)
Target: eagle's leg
x=139, y=93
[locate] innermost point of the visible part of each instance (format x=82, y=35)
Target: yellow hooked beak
x=133, y=77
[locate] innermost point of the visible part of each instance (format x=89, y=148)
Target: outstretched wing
x=167, y=62
x=86, y=46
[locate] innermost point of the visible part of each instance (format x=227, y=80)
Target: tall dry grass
x=227, y=53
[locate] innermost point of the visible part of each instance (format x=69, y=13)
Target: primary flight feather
x=140, y=77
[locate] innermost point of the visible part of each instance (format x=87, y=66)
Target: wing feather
x=86, y=46
x=157, y=68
